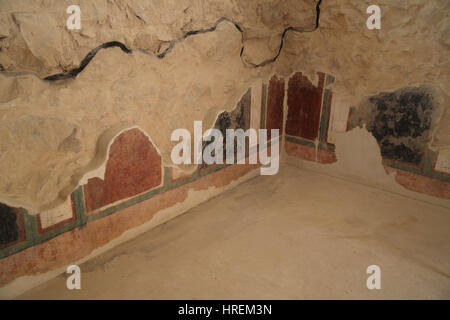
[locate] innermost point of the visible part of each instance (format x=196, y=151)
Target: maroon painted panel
x=304, y=104
x=275, y=105
x=133, y=167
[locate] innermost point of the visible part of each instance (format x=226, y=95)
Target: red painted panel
x=300, y=151
x=325, y=156
x=304, y=104
x=133, y=167
x=422, y=184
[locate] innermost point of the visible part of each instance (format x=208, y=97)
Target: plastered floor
x=295, y=235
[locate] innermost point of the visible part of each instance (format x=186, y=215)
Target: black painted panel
x=234, y=119
x=401, y=122
x=9, y=230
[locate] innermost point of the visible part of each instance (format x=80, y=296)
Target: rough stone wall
x=53, y=133
x=408, y=54
x=160, y=65
x=135, y=192
x=410, y=49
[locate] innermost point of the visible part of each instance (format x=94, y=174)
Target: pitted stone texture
x=35, y=37
x=51, y=134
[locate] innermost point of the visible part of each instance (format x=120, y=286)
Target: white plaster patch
x=62, y=212
x=443, y=161
x=338, y=119
x=359, y=160
x=255, y=109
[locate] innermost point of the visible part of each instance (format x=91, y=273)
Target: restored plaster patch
x=359, y=160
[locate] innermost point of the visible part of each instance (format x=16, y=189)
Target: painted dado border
x=427, y=166
x=32, y=232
